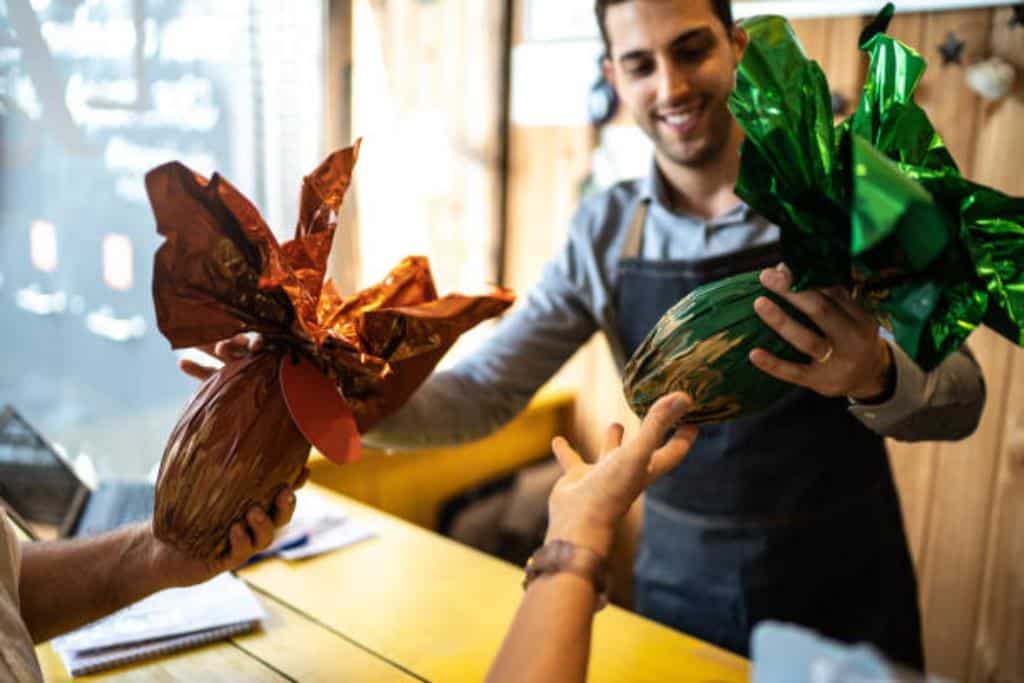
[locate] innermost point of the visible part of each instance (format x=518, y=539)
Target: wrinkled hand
x=588, y=501
x=245, y=539
x=851, y=359
x=227, y=350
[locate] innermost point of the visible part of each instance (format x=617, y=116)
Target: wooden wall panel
x=546, y=167
x=813, y=35
x=913, y=467
x=833, y=44
x=1000, y=125
x=845, y=65
x=955, y=535
x=943, y=93
x=996, y=651
x=998, y=641
x=909, y=28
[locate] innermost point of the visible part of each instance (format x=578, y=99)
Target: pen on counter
x=275, y=549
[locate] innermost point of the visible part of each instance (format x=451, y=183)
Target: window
x=92, y=95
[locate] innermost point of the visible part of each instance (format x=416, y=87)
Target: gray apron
x=791, y=514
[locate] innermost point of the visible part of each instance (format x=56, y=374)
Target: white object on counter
x=325, y=526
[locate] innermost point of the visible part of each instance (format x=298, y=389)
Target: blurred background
x=484, y=124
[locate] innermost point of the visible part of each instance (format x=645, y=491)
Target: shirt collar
x=653, y=189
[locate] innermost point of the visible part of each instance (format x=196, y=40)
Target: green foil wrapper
x=875, y=203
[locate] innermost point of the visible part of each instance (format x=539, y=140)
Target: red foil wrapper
x=219, y=272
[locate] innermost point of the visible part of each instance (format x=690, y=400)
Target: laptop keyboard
x=115, y=504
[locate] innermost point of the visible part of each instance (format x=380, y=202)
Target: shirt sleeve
x=495, y=383
x=942, y=405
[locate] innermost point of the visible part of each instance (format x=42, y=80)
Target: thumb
x=672, y=453
x=660, y=419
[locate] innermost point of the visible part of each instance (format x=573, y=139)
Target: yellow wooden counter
x=409, y=605
x=440, y=609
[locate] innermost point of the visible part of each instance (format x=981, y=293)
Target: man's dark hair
x=722, y=8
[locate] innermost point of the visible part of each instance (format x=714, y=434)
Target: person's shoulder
x=602, y=214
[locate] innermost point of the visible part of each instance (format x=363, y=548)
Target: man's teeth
x=680, y=119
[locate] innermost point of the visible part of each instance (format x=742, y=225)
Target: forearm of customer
x=549, y=639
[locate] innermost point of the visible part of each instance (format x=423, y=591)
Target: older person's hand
x=245, y=538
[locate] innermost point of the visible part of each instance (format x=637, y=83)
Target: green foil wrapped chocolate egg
x=702, y=345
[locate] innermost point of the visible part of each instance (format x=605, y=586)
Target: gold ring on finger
x=828, y=354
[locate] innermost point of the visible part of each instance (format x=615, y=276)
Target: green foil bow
x=876, y=203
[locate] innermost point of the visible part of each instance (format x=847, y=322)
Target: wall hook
x=951, y=49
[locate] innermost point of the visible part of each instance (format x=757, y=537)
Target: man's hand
x=588, y=502
x=174, y=568
x=850, y=359
x=227, y=350
x=69, y=583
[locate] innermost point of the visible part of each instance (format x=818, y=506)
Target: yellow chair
x=414, y=485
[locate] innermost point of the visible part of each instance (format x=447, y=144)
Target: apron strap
x=635, y=233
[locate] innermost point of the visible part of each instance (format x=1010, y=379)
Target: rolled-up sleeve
x=942, y=405
x=495, y=383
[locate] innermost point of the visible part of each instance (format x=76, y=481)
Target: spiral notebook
x=163, y=623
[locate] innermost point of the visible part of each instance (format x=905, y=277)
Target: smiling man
x=675, y=71
x=789, y=515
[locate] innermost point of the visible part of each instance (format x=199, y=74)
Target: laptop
x=41, y=488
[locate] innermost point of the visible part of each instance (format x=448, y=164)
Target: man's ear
x=608, y=69
x=740, y=40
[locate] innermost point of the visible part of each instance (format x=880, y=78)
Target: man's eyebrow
x=683, y=38
x=678, y=41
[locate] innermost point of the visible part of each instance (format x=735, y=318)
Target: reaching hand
x=588, y=502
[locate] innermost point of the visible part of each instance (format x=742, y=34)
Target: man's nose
x=673, y=83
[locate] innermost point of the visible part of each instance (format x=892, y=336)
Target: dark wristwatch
x=555, y=557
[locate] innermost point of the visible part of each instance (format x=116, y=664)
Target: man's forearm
x=449, y=409
x=66, y=584
x=494, y=384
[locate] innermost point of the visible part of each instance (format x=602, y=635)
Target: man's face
x=673, y=64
